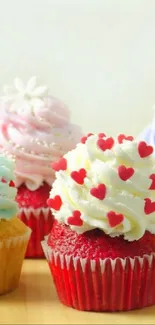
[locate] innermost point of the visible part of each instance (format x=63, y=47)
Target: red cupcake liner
x=103, y=285
x=40, y=222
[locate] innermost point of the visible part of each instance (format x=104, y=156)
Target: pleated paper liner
x=103, y=285
x=12, y=252
x=40, y=221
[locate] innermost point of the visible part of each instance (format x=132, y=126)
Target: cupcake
x=101, y=249
x=35, y=130
x=14, y=235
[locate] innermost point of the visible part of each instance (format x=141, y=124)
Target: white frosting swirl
x=123, y=197
x=35, y=130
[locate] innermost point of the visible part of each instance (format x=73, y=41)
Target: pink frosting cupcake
x=35, y=130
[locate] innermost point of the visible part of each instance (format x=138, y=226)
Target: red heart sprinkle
x=125, y=172
x=79, y=176
x=75, y=219
x=84, y=139
x=152, y=177
x=105, y=144
x=55, y=203
x=144, y=149
x=4, y=127
x=123, y=137
x=114, y=218
x=99, y=192
x=149, y=206
x=60, y=164
x=3, y=180
x=12, y=184
x=101, y=135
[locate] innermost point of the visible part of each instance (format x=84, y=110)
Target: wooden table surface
x=35, y=302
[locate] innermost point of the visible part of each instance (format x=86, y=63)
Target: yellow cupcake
x=14, y=235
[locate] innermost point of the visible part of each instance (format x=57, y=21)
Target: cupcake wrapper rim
x=65, y=259
x=36, y=212
x=15, y=240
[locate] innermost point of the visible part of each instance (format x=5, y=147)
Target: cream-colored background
x=97, y=55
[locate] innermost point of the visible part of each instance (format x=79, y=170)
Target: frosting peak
x=148, y=134
x=35, y=129
x=108, y=184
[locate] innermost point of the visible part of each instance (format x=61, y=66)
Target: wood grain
x=35, y=302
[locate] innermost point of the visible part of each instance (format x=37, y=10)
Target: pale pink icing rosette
x=35, y=130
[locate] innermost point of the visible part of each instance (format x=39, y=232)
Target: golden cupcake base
x=14, y=236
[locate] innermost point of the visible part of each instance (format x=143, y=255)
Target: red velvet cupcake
x=35, y=213
x=35, y=130
x=101, y=249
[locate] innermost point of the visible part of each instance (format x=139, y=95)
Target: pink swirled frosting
x=35, y=130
